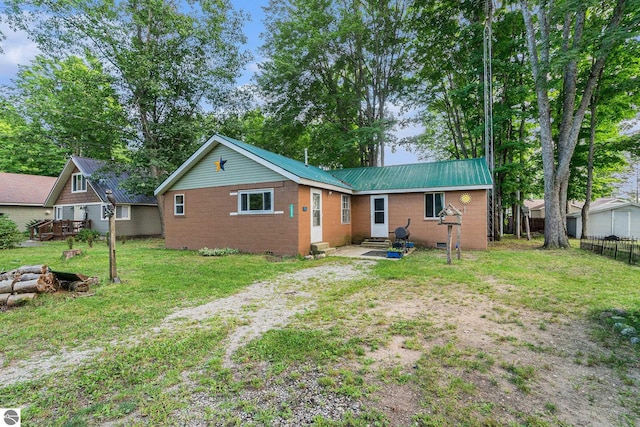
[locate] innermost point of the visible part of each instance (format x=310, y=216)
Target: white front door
x=316, y=216
x=78, y=212
x=379, y=216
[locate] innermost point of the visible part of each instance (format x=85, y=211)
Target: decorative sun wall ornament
x=465, y=198
x=220, y=164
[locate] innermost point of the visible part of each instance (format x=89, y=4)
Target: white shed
x=618, y=217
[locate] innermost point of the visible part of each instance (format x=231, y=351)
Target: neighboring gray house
x=608, y=217
x=22, y=197
x=79, y=194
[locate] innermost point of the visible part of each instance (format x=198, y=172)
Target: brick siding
x=426, y=232
x=208, y=221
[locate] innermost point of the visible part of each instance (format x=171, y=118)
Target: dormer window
x=78, y=183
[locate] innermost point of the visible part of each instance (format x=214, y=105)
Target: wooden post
x=113, y=273
x=527, y=225
x=458, y=242
x=449, y=227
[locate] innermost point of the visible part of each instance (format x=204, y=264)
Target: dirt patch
x=566, y=378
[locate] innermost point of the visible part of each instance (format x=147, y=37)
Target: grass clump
x=290, y=345
x=218, y=251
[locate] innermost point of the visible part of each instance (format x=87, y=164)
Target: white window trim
x=74, y=181
x=58, y=212
x=435, y=217
x=259, y=191
x=105, y=218
x=343, y=209
x=176, y=204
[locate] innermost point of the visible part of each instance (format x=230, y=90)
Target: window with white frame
x=178, y=204
x=346, y=209
x=123, y=212
x=58, y=212
x=255, y=201
x=78, y=183
x=433, y=204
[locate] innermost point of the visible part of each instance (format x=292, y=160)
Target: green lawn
x=135, y=372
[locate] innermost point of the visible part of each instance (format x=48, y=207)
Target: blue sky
x=19, y=50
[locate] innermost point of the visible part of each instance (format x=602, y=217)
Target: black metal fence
x=627, y=250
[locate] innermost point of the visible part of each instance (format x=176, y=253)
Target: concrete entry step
x=376, y=243
x=322, y=248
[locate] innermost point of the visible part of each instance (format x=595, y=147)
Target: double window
x=123, y=212
x=78, y=183
x=255, y=201
x=433, y=205
x=346, y=209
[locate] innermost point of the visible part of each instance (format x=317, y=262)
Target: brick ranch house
x=233, y=194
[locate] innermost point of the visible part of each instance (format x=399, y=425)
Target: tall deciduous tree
x=168, y=61
x=448, y=92
x=334, y=66
x=72, y=104
x=589, y=29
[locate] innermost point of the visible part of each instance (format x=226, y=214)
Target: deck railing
x=59, y=228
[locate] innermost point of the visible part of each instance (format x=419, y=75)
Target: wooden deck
x=58, y=229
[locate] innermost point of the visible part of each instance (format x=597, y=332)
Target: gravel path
x=266, y=305
x=262, y=306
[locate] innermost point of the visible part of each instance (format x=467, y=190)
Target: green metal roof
x=449, y=174
x=295, y=167
x=442, y=175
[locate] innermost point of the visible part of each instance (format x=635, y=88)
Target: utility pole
x=488, y=117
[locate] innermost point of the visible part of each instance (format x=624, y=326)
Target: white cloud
x=18, y=50
x=254, y=67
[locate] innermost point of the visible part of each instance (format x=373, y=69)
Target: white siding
x=623, y=222
x=238, y=169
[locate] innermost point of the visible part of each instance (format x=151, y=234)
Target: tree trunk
x=556, y=170
x=47, y=283
x=6, y=286
x=15, y=300
x=592, y=142
x=29, y=286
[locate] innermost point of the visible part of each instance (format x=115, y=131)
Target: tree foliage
x=448, y=91
x=167, y=60
x=23, y=149
x=72, y=104
x=333, y=69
